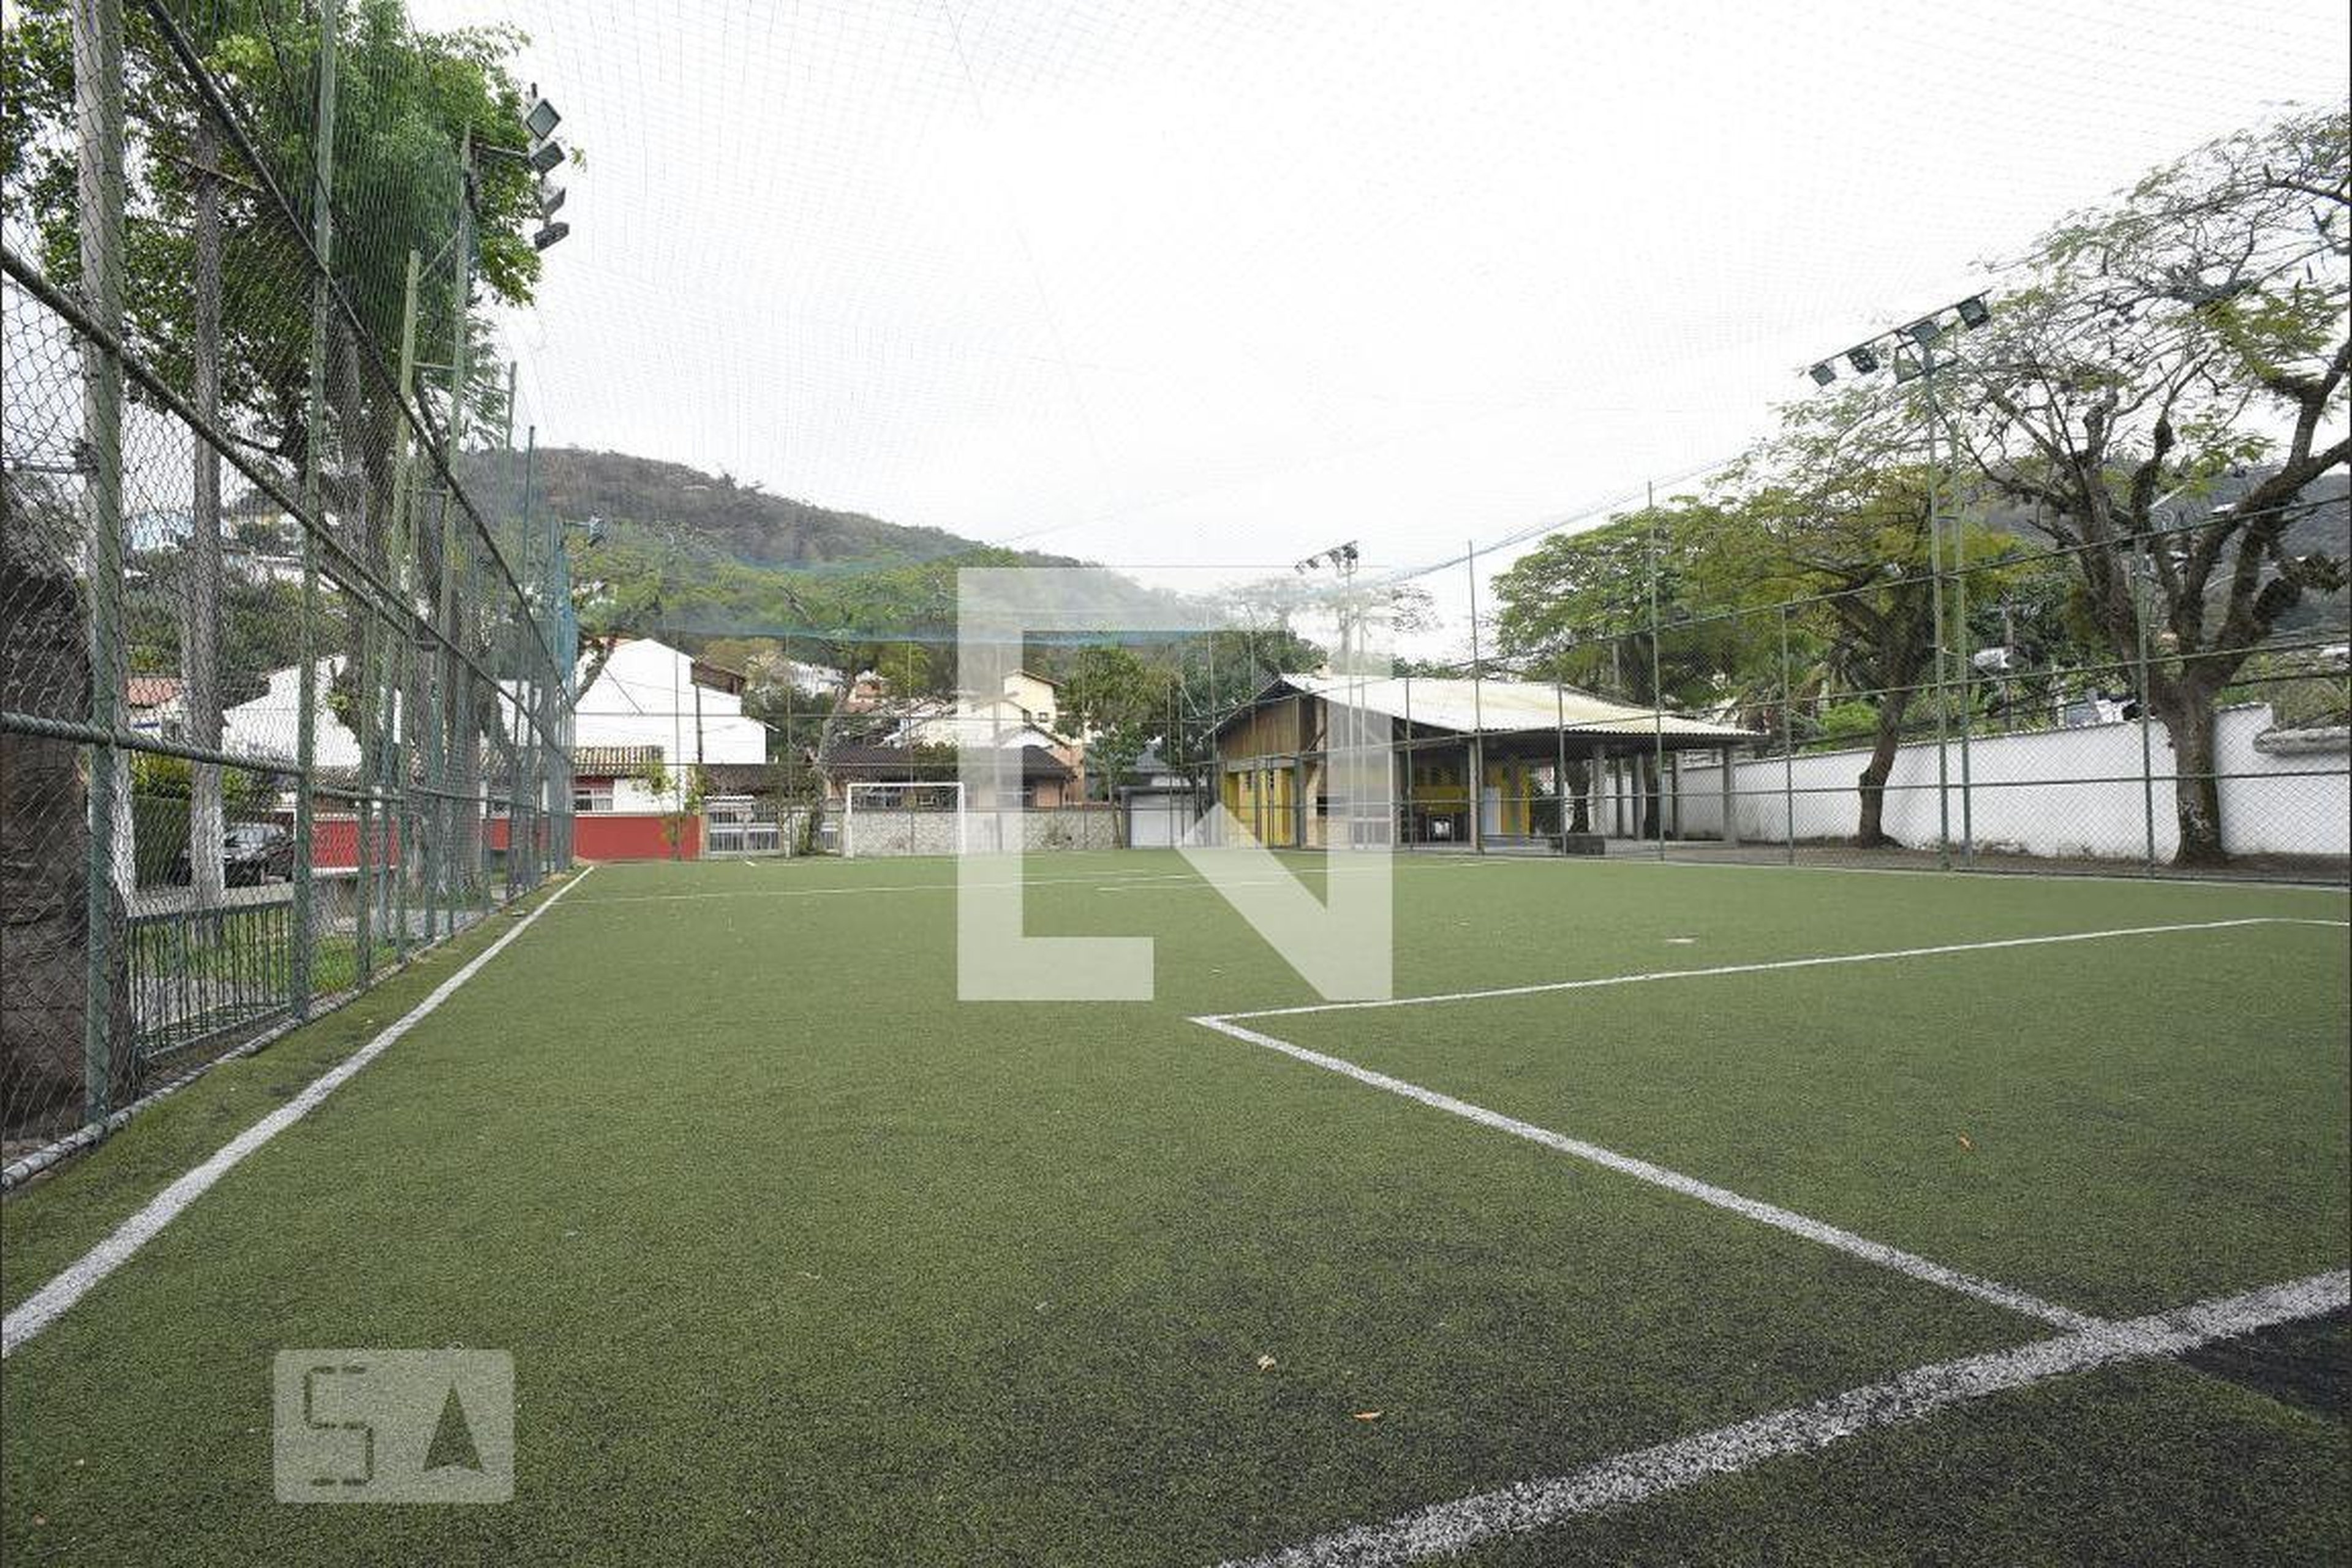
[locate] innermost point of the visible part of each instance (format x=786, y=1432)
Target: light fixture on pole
x=543, y=156
x=1913, y=349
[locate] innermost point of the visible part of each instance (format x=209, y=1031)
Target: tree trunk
x=1579, y=783
x=44, y=936
x=200, y=641
x=1871, y=832
x=2188, y=716
x=1645, y=771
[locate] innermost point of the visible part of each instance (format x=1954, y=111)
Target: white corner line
x=1789, y=1220
x=1767, y=966
x=51, y=1301
x=1447, y=1528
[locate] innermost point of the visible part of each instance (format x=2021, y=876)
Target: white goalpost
x=880, y=816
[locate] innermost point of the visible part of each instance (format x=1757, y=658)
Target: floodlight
x=545, y=156
x=1924, y=331
x=551, y=234
x=1906, y=368
x=1863, y=357
x=1822, y=374
x=1348, y=552
x=1972, y=311
x=542, y=118
x=551, y=200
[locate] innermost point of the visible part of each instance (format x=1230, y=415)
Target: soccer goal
x=881, y=817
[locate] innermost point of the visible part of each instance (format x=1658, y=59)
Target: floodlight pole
x=1922, y=335
x=1936, y=592
x=1343, y=560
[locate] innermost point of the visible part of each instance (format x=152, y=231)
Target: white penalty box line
x=1818, y=1231
x=1445, y=1528
x=1624, y=1480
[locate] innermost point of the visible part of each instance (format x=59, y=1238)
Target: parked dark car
x=251, y=853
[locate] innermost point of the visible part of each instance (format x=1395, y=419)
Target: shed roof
x=1507, y=707
x=613, y=762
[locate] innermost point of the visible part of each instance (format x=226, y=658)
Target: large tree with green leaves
x=1636, y=608
x=217, y=278
x=2193, y=328
x=1853, y=551
x=1120, y=704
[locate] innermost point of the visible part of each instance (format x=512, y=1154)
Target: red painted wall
x=335, y=842
x=631, y=835
x=602, y=836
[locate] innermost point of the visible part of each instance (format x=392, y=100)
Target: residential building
x=650, y=704
x=156, y=705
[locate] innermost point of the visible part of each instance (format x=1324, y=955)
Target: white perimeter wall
x=934, y=832
x=2062, y=793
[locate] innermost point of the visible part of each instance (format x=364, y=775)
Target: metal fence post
x=1654, y=798
x=314, y=462
x=98, y=111
x=2142, y=569
x=1477, y=760
x=1967, y=673
x=1788, y=744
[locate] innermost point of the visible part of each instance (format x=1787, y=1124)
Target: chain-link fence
x=1981, y=718
x=286, y=686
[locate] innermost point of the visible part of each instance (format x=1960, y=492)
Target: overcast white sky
x=1226, y=282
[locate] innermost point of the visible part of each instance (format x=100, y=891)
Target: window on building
x=592, y=795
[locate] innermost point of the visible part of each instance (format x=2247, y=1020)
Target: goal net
x=881, y=817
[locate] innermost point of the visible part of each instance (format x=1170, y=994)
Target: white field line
x=1105, y=880
x=1765, y=966
x=44, y=1306
x=1627, y=1479
x=2126, y=878
x=1789, y=1220
x=1096, y=878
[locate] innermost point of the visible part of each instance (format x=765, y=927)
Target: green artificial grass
x=62, y=1215
x=2118, y=1468
x=801, y=1259
x=2121, y=1126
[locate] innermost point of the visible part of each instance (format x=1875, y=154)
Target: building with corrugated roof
x=1544, y=758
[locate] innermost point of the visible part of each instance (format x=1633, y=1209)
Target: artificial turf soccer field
x=801, y=1260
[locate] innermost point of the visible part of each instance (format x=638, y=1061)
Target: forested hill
x=727, y=518
x=2321, y=525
